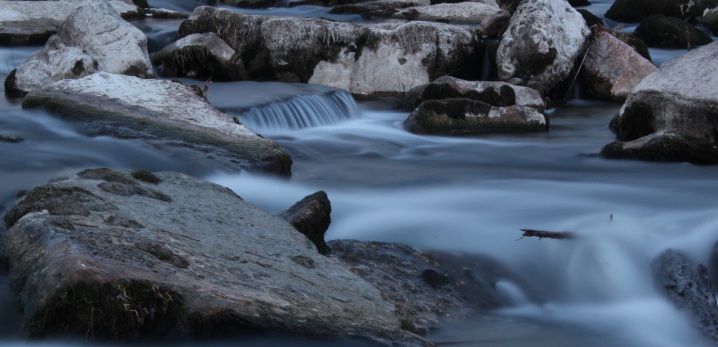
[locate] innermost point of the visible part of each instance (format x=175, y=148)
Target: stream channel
x=463, y=194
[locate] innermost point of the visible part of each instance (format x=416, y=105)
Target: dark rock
x=633, y=11
x=200, y=55
x=311, y=216
x=689, y=288
x=590, y=18
x=668, y=32
x=378, y=8
x=10, y=138
x=579, y=3
x=161, y=13
x=145, y=176
x=22, y=33
x=249, y=3
x=469, y=117
x=206, y=264
x=664, y=147
x=710, y=20
x=426, y=287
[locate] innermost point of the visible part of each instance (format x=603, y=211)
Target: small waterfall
x=301, y=111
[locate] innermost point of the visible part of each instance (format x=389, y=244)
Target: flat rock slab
x=132, y=107
x=124, y=255
x=33, y=22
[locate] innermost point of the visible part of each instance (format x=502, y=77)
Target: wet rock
x=710, y=19
x=664, y=147
x=426, y=287
x=469, y=117
x=200, y=55
x=249, y=3
x=668, y=32
x=365, y=59
x=10, y=138
x=379, y=8
x=590, y=18
x=493, y=93
x=205, y=264
x=151, y=109
x=162, y=13
x=541, y=43
x=33, y=22
x=93, y=38
x=612, y=68
x=675, y=99
x=490, y=19
x=311, y=216
x=633, y=11
x=579, y=3
x=689, y=288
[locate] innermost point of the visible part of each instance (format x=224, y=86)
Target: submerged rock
x=689, y=288
x=467, y=117
x=130, y=107
x=33, y=22
x=311, y=216
x=541, y=43
x=612, y=68
x=426, y=287
x=93, y=38
x=665, y=147
x=490, y=18
x=493, y=93
x=200, y=55
x=122, y=258
x=633, y=11
x=668, y=32
x=676, y=98
x=371, y=59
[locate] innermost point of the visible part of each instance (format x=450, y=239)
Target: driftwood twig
x=547, y=234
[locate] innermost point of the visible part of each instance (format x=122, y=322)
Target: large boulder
x=491, y=19
x=612, y=68
x=93, y=38
x=130, y=107
x=200, y=55
x=669, y=32
x=664, y=147
x=493, y=93
x=677, y=98
x=311, y=216
x=126, y=255
x=370, y=59
x=633, y=11
x=33, y=22
x=469, y=117
x=541, y=43
x=687, y=285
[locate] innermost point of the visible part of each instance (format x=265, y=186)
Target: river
x=469, y=194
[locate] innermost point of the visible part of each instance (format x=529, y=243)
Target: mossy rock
x=664, y=147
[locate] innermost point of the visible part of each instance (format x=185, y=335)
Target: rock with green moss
x=664, y=147
x=469, y=117
x=131, y=107
x=203, y=56
x=86, y=261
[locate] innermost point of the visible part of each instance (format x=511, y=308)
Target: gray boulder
x=200, y=55
x=372, y=59
x=469, y=117
x=688, y=287
x=541, y=43
x=93, y=38
x=311, y=216
x=677, y=98
x=490, y=19
x=612, y=68
x=664, y=147
x=33, y=22
x=493, y=93
x=130, y=107
x=127, y=255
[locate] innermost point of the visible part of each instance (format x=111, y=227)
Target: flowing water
x=469, y=194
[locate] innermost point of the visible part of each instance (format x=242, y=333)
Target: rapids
x=467, y=194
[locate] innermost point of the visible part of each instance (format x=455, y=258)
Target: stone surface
x=378, y=8
x=638, y=45
x=469, y=117
x=490, y=19
x=689, y=288
x=365, y=59
x=492, y=93
x=668, y=32
x=612, y=68
x=311, y=216
x=200, y=55
x=676, y=98
x=126, y=106
x=163, y=13
x=633, y=11
x=426, y=287
x=122, y=258
x=33, y=22
x=93, y=38
x=664, y=147
x=541, y=43
x=710, y=19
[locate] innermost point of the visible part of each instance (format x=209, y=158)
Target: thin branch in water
x=547, y=234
